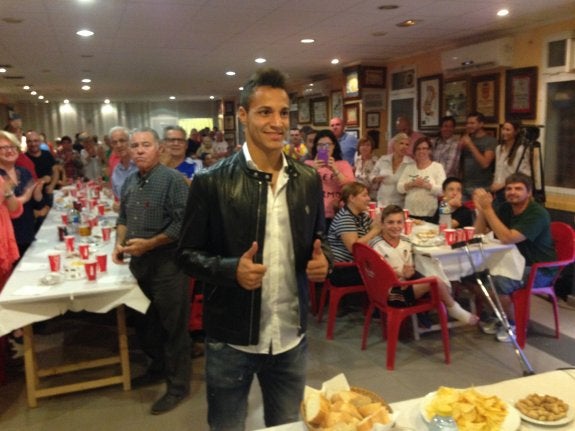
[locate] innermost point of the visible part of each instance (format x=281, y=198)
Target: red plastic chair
x=335, y=295
x=379, y=278
x=564, y=239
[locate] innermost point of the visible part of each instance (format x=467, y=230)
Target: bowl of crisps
x=472, y=410
x=355, y=409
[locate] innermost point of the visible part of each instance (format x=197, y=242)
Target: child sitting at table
x=398, y=254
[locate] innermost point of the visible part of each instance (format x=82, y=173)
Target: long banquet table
x=25, y=300
x=559, y=383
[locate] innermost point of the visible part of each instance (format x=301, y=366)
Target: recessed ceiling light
x=503, y=12
x=335, y=61
x=310, y=84
x=107, y=101
x=86, y=87
x=86, y=80
x=66, y=101
x=388, y=7
x=260, y=60
x=46, y=101
x=378, y=33
x=307, y=40
x=230, y=73
x=41, y=97
x=85, y=33
x=172, y=97
x=3, y=70
x=408, y=23
x=26, y=87
x=241, y=88
x=212, y=97
x=33, y=93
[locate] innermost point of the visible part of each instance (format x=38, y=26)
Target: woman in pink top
x=334, y=172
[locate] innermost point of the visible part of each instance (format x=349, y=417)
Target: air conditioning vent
x=481, y=56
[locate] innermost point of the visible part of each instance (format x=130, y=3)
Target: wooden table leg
x=30, y=366
x=123, y=350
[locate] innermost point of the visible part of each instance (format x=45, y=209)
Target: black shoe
x=424, y=320
x=166, y=403
x=147, y=379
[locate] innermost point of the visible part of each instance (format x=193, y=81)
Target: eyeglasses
x=7, y=148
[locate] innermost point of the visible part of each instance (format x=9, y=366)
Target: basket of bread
x=339, y=407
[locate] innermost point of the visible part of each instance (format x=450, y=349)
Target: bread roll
x=316, y=408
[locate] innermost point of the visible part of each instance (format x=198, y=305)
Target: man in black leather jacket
x=254, y=234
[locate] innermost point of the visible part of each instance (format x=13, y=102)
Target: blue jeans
x=506, y=286
x=229, y=375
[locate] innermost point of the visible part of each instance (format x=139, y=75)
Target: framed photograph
x=429, y=102
x=372, y=120
x=520, y=93
x=229, y=122
x=336, y=104
x=230, y=138
x=403, y=80
x=303, y=113
x=485, y=96
x=372, y=77
x=456, y=99
x=229, y=107
x=351, y=90
x=320, y=111
x=404, y=106
x=353, y=132
x=351, y=114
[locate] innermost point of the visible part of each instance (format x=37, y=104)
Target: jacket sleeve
x=320, y=227
x=195, y=254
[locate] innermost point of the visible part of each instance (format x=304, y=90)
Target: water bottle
x=444, y=216
x=443, y=421
x=74, y=220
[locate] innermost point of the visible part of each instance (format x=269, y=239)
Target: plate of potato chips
x=472, y=410
x=546, y=410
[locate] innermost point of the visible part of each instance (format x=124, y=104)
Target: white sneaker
x=490, y=327
x=503, y=336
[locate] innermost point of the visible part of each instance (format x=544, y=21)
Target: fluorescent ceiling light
x=307, y=40
x=230, y=73
x=85, y=33
x=86, y=87
x=86, y=80
x=260, y=60
x=335, y=61
x=503, y=12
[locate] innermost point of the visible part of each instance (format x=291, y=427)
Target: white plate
x=511, y=423
x=570, y=416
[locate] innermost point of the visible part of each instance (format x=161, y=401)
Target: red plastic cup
x=84, y=250
x=102, y=259
x=406, y=213
x=449, y=236
x=469, y=232
x=460, y=235
x=93, y=222
x=91, y=268
x=106, y=233
x=55, y=260
x=69, y=240
x=74, y=193
x=64, y=218
x=408, y=226
x=101, y=209
x=372, y=209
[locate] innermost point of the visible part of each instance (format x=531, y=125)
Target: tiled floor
x=476, y=359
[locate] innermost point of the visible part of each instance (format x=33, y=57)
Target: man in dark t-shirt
x=521, y=221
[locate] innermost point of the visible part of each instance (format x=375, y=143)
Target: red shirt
x=24, y=161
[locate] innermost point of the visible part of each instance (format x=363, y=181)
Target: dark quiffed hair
x=518, y=177
x=331, y=136
x=480, y=117
x=262, y=78
x=447, y=118
x=389, y=210
x=450, y=180
x=352, y=189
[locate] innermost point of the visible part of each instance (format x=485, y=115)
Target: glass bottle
x=444, y=216
x=443, y=419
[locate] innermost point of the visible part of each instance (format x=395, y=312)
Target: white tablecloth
x=558, y=383
x=25, y=300
x=448, y=264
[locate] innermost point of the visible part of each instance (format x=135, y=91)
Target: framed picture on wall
x=429, y=102
x=372, y=120
x=303, y=113
x=353, y=132
x=229, y=107
x=351, y=90
x=456, y=99
x=403, y=80
x=492, y=131
x=485, y=96
x=351, y=114
x=319, y=111
x=521, y=93
x=372, y=77
x=229, y=122
x=336, y=104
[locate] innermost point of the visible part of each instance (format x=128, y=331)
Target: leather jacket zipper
x=253, y=293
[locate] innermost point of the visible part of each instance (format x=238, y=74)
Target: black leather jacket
x=225, y=213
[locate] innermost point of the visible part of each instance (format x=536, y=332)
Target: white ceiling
x=150, y=49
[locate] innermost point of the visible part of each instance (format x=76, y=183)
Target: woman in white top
x=421, y=182
x=364, y=164
x=388, y=169
x=512, y=155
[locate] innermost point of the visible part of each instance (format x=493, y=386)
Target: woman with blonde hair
x=364, y=163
